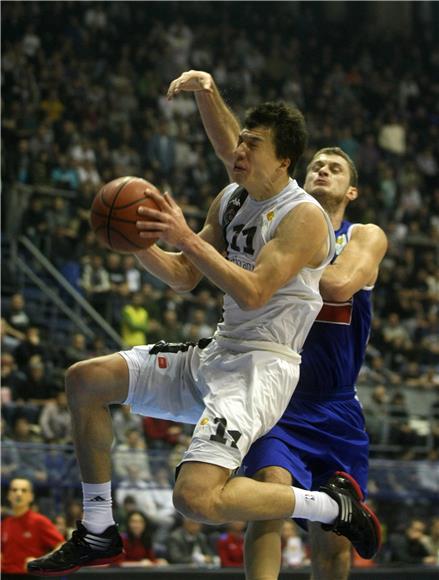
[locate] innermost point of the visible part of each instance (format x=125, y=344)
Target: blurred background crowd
x=84, y=101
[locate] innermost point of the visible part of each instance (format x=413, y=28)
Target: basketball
x=114, y=214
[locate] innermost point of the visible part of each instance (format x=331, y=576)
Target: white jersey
x=286, y=319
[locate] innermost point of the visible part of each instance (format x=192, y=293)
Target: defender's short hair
x=337, y=151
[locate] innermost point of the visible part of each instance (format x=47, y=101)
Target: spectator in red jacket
x=231, y=546
x=137, y=542
x=26, y=534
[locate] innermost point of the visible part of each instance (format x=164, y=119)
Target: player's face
x=256, y=162
x=20, y=493
x=328, y=180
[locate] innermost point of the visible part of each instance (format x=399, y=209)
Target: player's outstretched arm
x=300, y=241
x=356, y=266
x=219, y=122
x=174, y=268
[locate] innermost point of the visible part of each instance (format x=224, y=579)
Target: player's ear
x=352, y=193
x=285, y=163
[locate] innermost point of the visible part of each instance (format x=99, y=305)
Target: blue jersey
x=335, y=347
x=323, y=429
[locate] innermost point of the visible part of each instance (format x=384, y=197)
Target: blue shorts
x=312, y=441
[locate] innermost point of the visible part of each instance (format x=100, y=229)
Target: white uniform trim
x=349, y=233
x=240, y=346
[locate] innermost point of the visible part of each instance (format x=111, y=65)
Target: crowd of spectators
x=84, y=101
x=187, y=542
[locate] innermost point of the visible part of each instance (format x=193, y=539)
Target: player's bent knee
x=78, y=384
x=189, y=503
x=198, y=506
x=77, y=377
x=96, y=380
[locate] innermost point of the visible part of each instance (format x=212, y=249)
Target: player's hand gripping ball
x=114, y=214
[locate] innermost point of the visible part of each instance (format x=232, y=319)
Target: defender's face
x=255, y=158
x=328, y=178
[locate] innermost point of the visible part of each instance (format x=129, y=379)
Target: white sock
x=316, y=506
x=97, y=503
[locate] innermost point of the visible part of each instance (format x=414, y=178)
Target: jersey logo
x=270, y=215
x=163, y=363
x=336, y=313
x=340, y=242
x=234, y=204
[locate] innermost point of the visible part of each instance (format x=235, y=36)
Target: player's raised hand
x=191, y=81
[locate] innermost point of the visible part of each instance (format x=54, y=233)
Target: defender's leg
x=330, y=554
x=263, y=556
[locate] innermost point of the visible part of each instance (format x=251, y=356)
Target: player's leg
x=245, y=395
x=344, y=446
x=205, y=492
x=263, y=552
x=143, y=379
x=91, y=386
x=330, y=554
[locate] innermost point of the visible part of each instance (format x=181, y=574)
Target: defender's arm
x=356, y=266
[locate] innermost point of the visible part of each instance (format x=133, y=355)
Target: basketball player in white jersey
x=322, y=431
x=265, y=243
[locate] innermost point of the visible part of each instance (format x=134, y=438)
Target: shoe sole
x=373, y=517
x=98, y=562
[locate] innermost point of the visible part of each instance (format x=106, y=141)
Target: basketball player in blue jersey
x=265, y=243
x=322, y=431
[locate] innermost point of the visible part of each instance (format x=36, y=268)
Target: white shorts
x=233, y=396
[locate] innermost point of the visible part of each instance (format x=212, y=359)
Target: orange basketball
x=114, y=214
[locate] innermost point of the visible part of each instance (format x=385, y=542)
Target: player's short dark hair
x=290, y=134
x=337, y=151
x=24, y=478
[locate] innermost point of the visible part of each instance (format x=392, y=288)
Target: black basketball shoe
x=81, y=550
x=355, y=521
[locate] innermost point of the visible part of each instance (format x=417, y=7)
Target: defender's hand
x=191, y=81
